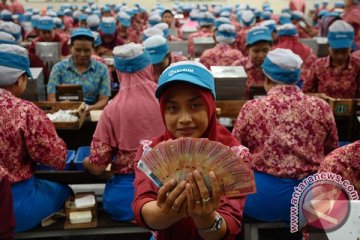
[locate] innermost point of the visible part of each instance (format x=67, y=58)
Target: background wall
x=148, y=4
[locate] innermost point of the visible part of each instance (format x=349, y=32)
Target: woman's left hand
x=201, y=203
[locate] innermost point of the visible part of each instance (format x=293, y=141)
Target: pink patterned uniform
x=344, y=161
x=324, y=78
x=356, y=54
x=351, y=15
x=101, y=154
x=201, y=33
x=255, y=74
x=287, y=132
x=27, y=136
x=16, y=7
x=220, y=55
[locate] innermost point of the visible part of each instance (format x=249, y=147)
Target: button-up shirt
x=95, y=79
x=27, y=136
x=255, y=75
x=336, y=83
x=220, y=55
x=287, y=132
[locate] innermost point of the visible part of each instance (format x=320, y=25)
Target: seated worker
x=168, y=17
x=288, y=135
x=167, y=34
x=47, y=33
x=81, y=69
x=258, y=44
x=206, y=22
x=337, y=75
x=304, y=30
x=288, y=38
x=27, y=137
x=345, y=161
x=247, y=21
x=109, y=36
x=161, y=56
x=7, y=227
x=124, y=22
x=34, y=32
x=93, y=22
x=117, y=134
x=225, y=51
x=187, y=210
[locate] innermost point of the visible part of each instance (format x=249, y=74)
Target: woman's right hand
x=171, y=199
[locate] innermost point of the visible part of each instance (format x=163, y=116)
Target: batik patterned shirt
x=345, y=161
x=287, y=132
x=27, y=136
x=220, y=55
x=95, y=80
x=255, y=75
x=102, y=154
x=336, y=83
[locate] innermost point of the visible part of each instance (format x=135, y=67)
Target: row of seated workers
x=285, y=136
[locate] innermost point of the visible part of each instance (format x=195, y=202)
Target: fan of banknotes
x=174, y=159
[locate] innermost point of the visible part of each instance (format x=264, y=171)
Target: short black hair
x=167, y=11
x=82, y=38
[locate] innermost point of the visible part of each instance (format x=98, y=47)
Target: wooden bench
x=106, y=228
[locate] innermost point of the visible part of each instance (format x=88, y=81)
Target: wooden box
x=342, y=107
x=69, y=207
x=79, y=111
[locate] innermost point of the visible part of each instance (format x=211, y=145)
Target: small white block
x=80, y=217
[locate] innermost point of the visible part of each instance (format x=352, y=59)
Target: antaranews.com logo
x=321, y=201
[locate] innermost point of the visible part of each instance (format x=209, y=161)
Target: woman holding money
x=187, y=209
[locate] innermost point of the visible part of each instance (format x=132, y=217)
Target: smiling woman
x=80, y=69
x=187, y=209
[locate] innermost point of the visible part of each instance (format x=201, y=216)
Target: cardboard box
x=79, y=111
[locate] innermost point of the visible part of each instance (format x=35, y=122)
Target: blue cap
x=258, y=33
x=81, y=32
x=124, y=19
x=270, y=24
x=12, y=60
x=6, y=15
x=108, y=25
x=83, y=17
x=297, y=15
x=282, y=66
x=133, y=64
x=157, y=47
x=288, y=29
x=339, y=5
x=266, y=15
x=323, y=13
x=187, y=72
x=247, y=18
x=221, y=20
x=340, y=35
x=284, y=18
x=46, y=23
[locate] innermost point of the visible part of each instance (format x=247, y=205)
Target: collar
x=5, y=93
x=328, y=63
x=71, y=65
x=284, y=90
